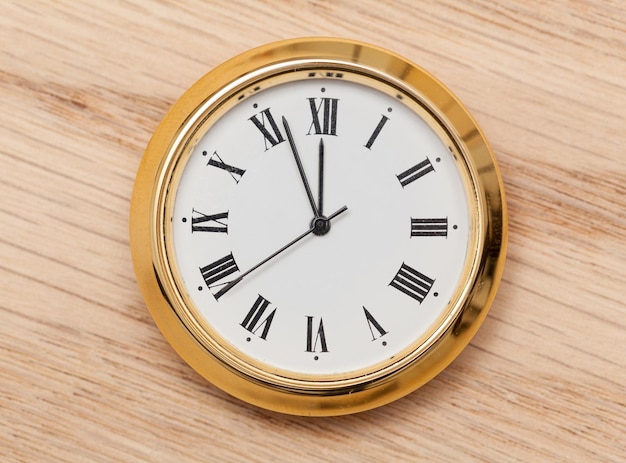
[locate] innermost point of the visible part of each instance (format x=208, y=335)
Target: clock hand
x=320, y=193
x=300, y=168
x=315, y=225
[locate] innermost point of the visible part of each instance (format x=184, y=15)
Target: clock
x=318, y=226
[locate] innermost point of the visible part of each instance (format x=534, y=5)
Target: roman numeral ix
x=216, y=223
x=412, y=283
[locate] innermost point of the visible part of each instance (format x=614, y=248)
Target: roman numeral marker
x=217, y=271
x=374, y=326
x=271, y=135
x=216, y=161
x=415, y=172
x=374, y=136
x=328, y=109
x=312, y=340
x=253, y=322
x=412, y=283
x=429, y=227
x=209, y=223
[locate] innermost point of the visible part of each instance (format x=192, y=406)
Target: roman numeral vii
x=254, y=320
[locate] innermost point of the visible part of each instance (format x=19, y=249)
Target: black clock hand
x=294, y=150
x=320, y=192
x=316, y=224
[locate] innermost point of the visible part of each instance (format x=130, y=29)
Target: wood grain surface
x=85, y=375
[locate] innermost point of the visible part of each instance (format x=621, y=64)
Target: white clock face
x=391, y=243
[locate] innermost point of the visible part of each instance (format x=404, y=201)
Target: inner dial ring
x=244, y=197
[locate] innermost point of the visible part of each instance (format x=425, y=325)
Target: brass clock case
x=174, y=312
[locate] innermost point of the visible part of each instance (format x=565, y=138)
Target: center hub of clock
x=320, y=225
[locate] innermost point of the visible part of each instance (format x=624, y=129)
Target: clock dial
x=364, y=285
x=318, y=226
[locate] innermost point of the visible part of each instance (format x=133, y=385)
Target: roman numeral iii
x=209, y=223
x=429, y=227
x=254, y=320
x=415, y=172
x=324, y=116
x=272, y=135
x=412, y=283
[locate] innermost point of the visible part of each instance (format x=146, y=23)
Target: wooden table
x=85, y=374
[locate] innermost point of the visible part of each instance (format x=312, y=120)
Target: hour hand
x=320, y=179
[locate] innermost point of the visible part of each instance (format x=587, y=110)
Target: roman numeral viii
x=209, y=223
x=324, y=116
x=272, y=135
x=254, y=320
x=315, y=338
x=217, y=271
x=412, y=283
x=415, y=172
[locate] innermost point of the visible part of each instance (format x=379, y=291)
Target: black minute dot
x=389, y=110
x=316, y=358
x=248, y=339
x=184, y=219
x=384, y=343
x=455, y=226
x=436, y=294
x=438, y=159
x=204, y=153
x=255, y=105
x=323, y=89
x=199, y=288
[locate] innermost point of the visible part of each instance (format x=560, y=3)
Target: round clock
x=318, y=226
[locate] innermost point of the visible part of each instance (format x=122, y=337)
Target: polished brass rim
x=156, y=270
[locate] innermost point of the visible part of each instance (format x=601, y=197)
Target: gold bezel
x=158, y=173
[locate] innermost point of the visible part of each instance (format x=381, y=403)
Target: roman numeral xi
x=266, y=124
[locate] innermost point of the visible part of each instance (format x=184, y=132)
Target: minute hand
x=231, y=284
x=294, y=150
